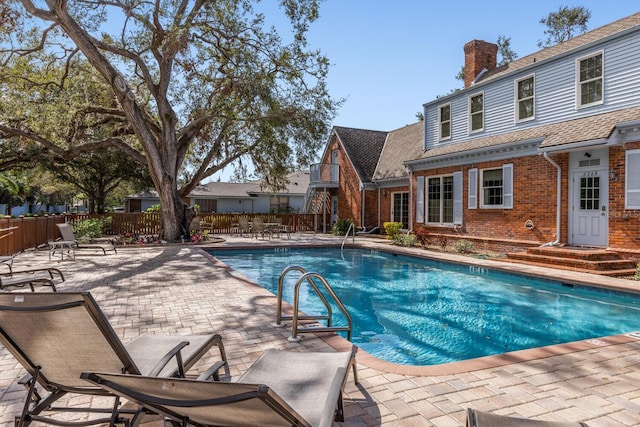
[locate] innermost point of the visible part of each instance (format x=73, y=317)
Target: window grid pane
x=590, y=193
x=492, y=187
x=447, y=199
x=590, y=76
x=525, y=98
x=445, y=122
x=476, y=112
x=433, y=207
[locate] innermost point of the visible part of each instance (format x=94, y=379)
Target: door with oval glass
x=589, y=225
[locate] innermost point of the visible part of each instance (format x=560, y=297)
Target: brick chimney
x=478, y=55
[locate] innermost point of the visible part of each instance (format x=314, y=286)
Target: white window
x=420, y=199
x=589, y=80
x=444, y=120
x=476, y=112
x=444, y=199
x=632, y=180
x=525, y=99
x=496, y=189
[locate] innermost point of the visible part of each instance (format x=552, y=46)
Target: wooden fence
x=19, y=234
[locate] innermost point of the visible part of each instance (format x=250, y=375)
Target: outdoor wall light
x=613, y=175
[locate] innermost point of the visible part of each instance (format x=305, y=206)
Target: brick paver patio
x=178, y=289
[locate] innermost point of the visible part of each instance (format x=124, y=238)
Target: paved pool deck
x=183, y=290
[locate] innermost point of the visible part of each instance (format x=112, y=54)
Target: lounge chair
x=282, y=388
x=19, y=278
x=8, y=261
x=477, y=418
x=57, y=336
x=67, y=236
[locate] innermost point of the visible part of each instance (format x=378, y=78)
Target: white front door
x=589, y=200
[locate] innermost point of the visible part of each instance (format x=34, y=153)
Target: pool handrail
x=280, y=317
x=347, y=236
x=309, y=277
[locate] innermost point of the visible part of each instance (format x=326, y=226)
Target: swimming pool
x=414, y=311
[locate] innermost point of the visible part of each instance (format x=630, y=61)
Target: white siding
x=555, y=93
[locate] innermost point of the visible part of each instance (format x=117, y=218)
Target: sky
x=389, y=57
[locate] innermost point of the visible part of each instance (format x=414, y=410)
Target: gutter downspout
x=558, y=201
x=379, y=208
x=362, y=191
x=410, y=230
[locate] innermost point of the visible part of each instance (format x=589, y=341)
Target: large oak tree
x=195, y=86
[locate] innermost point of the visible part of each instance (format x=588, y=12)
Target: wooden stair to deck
x=586, y=260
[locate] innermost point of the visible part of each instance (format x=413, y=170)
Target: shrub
x=422, y=236
x=89, y=229
x=407, y=240
x=463, y=246
x=636, y=276
x=341, y=227
x=392, y=229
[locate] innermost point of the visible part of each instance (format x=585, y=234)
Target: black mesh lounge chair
x=67, y=236
x=477, y=418
x=282, y=388
x=57, y=336
x=19, y=278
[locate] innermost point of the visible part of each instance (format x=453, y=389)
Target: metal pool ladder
x=296, y=317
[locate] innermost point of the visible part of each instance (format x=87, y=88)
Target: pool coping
x=339, y=343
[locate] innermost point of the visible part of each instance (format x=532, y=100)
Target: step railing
x=310, y=278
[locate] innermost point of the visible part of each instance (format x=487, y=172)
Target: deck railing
x=19, y=234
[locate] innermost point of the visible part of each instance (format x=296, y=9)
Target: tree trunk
x=172, y=209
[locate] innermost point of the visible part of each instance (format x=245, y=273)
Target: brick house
x=341, y=184
x=543, y=150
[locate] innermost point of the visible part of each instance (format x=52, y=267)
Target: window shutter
x=473, y=188
x=457, y=197
x=507, y=183
x=632, y=180
x=420, y=199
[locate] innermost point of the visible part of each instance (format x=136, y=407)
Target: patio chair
x=258, y=227
x=477, y=418
x=57, y=336
x=68, y=236
x=19, y=278
x=282, y=388
x=243, y=225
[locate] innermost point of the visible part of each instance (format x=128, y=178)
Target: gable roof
x=576, y=42
x=401, y=145
x=363, y=148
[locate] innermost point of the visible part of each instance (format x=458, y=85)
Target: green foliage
x=636, y=276
x=90, y=228
x=341, y=227
x=505, y=53
x=392, y=229
x=153, y=208
x=406, y=240
x=232, y=89
x=564, y=24
x=463, y=246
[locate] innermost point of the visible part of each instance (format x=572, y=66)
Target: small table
x=62, y=244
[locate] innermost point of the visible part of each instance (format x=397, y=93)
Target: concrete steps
x=587, y=260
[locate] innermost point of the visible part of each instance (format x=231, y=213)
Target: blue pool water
x=414, y=311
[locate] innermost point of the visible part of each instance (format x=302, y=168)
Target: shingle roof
x=554, y=135
x=223, y=189
x=560, y=48
x=401, y=145
x=363, y=147
x=298, y=184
